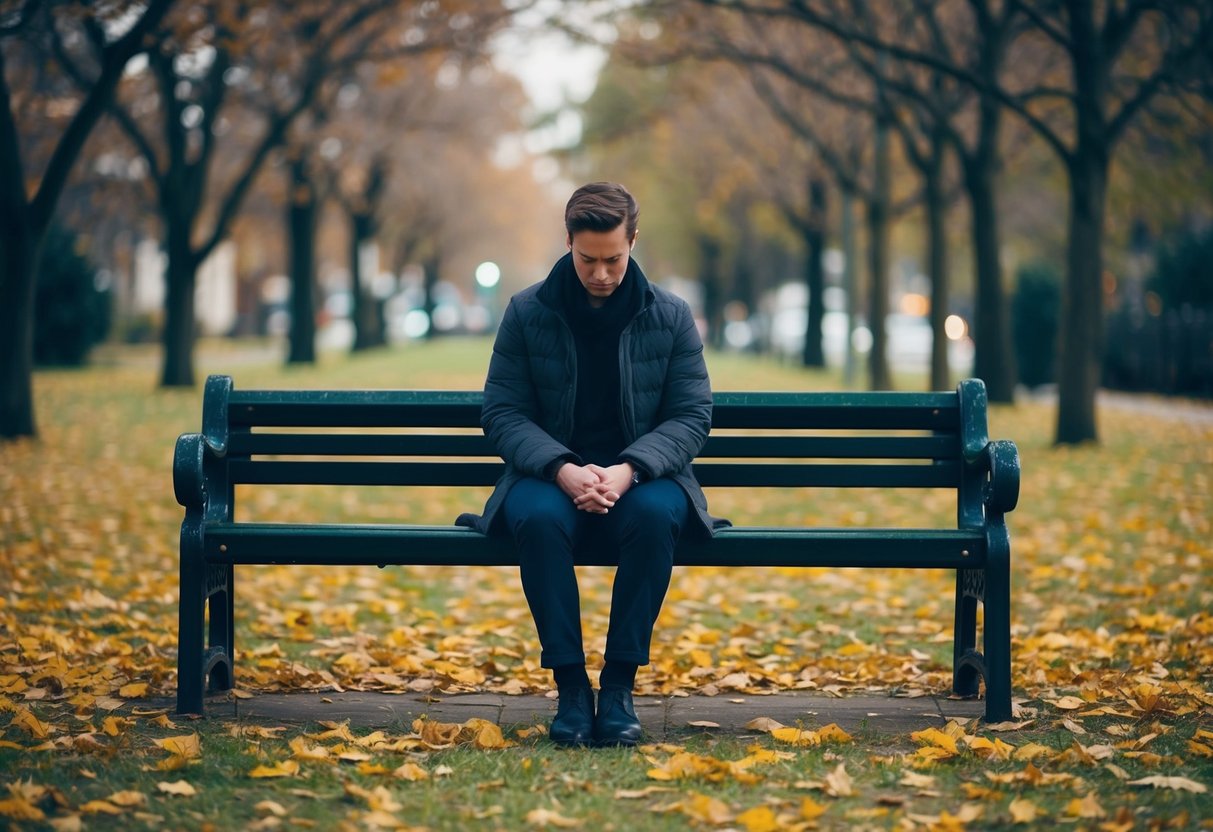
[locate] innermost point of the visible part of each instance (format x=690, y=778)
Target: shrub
x=1035, y=311
x=70, y=313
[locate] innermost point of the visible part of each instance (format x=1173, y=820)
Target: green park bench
x=882, y=440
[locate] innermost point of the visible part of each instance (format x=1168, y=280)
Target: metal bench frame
x=867, y=439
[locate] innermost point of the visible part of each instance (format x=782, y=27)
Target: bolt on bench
x=883, y=440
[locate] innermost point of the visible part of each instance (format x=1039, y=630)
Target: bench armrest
x=1000, y=461
x=189, y=477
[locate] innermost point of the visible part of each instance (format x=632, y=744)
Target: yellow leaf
x=759, y=819
x=411, y=771
x=1179, y=783
x=994, y=749
x=127, y=798
x=1068, y=703
x=135, y=690
x=67, y=823
x=269, y=807
x=300, y=750
x=701, y=658
x=100, y=807
x=24, y=718
x=372, y=769
x=763, y=723
x=1200, y=749
x=705, y=808
x=1023, y=811
x=838, y=782
x=811, y=810
x=286, y=768
x=437, y=734
x=17, y=808
x=832, y=733
x=547, y=817
x=1033, y=750
x=917, y=781
x=186, y=745
x=487, y=735
x=937, y=738
x=115, y=725
x=1088, y=807
x=179, y=788
x=637, y=794
x=163, y=721
x=378, y=799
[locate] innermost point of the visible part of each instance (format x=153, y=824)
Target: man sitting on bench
x=597, y=398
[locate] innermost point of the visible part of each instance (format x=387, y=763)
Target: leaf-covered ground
x=1113, y=642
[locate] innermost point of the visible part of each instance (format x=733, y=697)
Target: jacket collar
x=549, y=290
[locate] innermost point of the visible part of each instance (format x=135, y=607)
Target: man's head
x=600, y=219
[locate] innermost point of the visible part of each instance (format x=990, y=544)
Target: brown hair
x=601, y=206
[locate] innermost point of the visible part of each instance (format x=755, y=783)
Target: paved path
x=663, y=718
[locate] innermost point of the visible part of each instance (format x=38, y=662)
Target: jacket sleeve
x=511, y=409
x=685, y=414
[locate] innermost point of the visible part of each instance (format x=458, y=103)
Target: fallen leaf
x=269, y=807
x=286, y=768
x=1023, y=811
x=186, y=745
x=759, y=819
x=179, y=788
x=838, y=782
x=548, y=817
x=128, y=799
x=411, y=771
x=1179, y=783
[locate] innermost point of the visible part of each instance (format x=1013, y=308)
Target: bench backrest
x=433, y=438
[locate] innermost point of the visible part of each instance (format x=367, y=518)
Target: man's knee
x=537, y=508
x=654, y=507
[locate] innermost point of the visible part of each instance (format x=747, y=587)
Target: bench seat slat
x=368, y=544
x=942, y=475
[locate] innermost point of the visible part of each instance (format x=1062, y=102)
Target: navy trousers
x=641, y=529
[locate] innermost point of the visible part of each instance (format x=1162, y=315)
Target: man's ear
x=568, y=240
x=632, y=244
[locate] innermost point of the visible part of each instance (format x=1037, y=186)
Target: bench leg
x=191, y=612
x=997, y=627
x=966, y=671
x=220, y=656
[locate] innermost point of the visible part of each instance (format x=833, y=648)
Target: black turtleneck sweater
x=597, y=423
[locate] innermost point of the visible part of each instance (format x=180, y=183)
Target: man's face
x=601, y=259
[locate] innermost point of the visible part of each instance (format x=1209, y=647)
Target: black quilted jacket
x=532, y=381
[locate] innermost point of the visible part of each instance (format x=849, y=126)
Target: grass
x=1112, y=587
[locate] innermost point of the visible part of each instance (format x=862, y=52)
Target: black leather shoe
x=574, y=722
x=616, y=722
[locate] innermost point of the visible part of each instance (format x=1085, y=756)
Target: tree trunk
x=994, y=357
x=849, y=285
x=301, y=221
x=432, y=273
x=19, y=250
x=814, y=273
x=19, y=258
x=713, y=292
x=368, y=328
x=994, y=360
x=1080, y=334
x=878, y=260
x=1081, y=329
x=179, y=326
x=937, y=263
